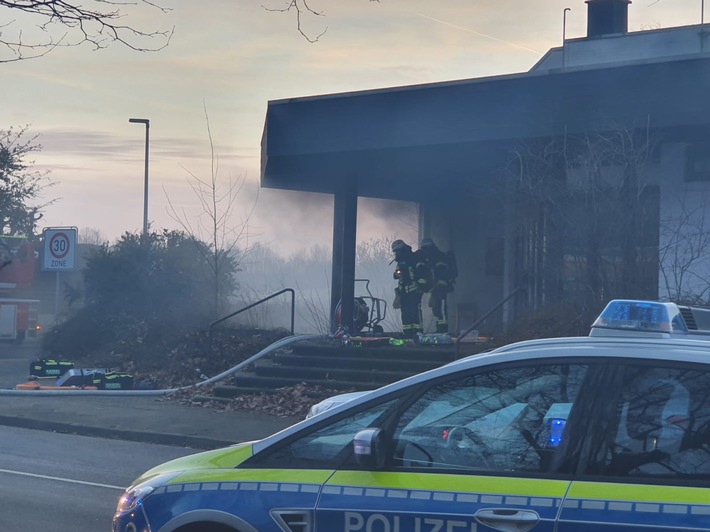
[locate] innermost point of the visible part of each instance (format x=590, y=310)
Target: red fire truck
x=18, y=313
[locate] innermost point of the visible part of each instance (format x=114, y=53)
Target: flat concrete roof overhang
x=398, y=143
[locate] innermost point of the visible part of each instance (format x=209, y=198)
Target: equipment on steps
x=368, y=311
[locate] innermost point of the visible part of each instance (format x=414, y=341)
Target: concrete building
x=583, y=179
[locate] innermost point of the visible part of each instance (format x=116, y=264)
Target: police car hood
x=226, y=458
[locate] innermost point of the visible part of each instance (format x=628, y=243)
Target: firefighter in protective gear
x=413, y=280
x=443, y=278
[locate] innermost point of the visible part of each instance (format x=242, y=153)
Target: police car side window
x=326, y=446
x=661, y=425
x=510, y=419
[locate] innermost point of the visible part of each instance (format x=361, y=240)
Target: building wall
x=651, y=45
x=685, y=228
x=481, y=232
x=474, y=229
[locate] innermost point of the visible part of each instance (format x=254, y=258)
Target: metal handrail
x=262, y=300
x=483, y=318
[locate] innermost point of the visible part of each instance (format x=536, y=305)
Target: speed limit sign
x=59, y=248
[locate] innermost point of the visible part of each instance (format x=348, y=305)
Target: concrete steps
x=353, y=362
x=269, y=368
x=330, y=365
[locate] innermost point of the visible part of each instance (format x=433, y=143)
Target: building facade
x=584, y=179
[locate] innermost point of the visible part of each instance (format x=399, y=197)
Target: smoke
x=300, y=220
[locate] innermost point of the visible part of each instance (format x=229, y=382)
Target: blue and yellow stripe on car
x=409, y=495
x=591, y=504
x=264, y=476
x=247, y=494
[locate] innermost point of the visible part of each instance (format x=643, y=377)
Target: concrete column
x=336, y=277
x=344, y=246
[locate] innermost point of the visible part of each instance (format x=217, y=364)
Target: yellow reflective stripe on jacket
x=608, y=491
x=452, y=483
x=271, y=476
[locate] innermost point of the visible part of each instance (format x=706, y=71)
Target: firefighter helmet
x=398, y=244
x=427, y=243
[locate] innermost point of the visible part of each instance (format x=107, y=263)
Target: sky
x=226, y=60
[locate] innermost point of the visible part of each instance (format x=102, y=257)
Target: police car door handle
x=508, y=520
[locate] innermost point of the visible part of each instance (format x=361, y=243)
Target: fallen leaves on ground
x=289, y=401
x=193, y=357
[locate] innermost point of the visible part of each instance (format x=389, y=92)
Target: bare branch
x=20, y=186
x=584, y=206
x=226, y=240
x=98, y=26
x=300, y=7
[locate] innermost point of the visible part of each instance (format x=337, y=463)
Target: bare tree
x=586, y=218
x=227, y=239
x=20, y=186
x=91, y=235
x=62, y=23
x=305, y=271
x=685, y=250
x=301, y=9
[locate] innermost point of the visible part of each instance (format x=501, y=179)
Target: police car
x=609, y=432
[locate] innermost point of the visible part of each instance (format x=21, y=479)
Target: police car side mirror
x=369, y=448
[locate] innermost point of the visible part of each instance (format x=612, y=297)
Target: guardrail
x=248, y=307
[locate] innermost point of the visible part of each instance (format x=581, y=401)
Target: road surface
x=58, y=482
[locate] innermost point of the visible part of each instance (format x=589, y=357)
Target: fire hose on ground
x=103, y=393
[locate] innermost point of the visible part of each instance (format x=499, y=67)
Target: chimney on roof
x=605, y=17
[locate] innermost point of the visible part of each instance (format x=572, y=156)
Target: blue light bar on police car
x=641, y=316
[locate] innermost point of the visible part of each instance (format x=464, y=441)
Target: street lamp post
x=145, y=186
x=564, y=36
